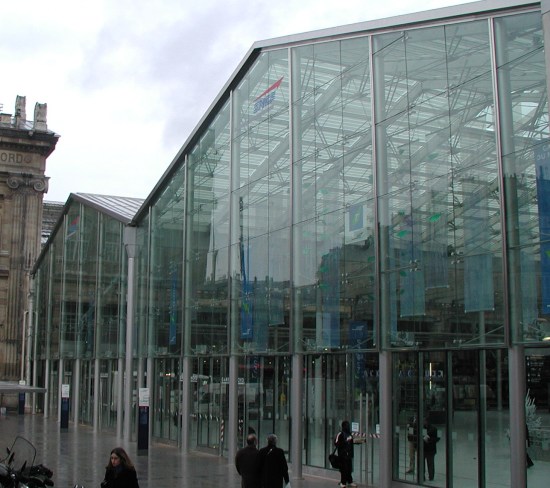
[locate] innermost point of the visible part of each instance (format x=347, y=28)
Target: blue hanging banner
x=479, y=292
x=542, y=164
x=247, y=321
x=329, y=286
x=173, y=310
x=411, y=275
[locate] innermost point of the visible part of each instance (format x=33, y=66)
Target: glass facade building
x=355, y=230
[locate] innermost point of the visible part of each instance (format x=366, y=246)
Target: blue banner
x=173, y=309
x=435, y=258
x=411, y=276
x=329, y=286
x=478, y=260
x=247, y=321
x=356, y=217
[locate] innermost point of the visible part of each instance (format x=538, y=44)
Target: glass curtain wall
x=439, y=195
x=207, y=267
x=260, y=244
x=335, y=243
x=523, y=108
x=164, y=325
x=340, y=387
x=373, y=182
x=334, y=214
x=79, y=310
x=111, y=317
x=439, y=213
x=439, y=186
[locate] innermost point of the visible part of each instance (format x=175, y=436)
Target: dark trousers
x=345, y=471
x=430, y=464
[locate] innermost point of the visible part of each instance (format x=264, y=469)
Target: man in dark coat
x=274, y=468
x=430, y=447
x=247, y=462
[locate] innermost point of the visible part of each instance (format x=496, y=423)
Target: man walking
x=247, y=462
x=274, y=466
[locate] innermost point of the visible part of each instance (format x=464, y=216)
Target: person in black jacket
x=274, y=468
x=247, y=462
x=344, y=443
x=120, y=472
x=430, y=447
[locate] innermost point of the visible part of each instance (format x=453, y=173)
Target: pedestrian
x=430, y=447
x=344, y=444
x=274, y=468
x=412, y=433
x=120, y=472
x=530, y=462
x=247, y=462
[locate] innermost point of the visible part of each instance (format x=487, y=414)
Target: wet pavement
x=79, y=455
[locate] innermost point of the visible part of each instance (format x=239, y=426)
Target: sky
x=127, y=81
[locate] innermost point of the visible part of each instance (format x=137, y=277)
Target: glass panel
x=86, y=392
x=537, y=405
x=165, y=322
x=465, y=419
x=208, y=239
x=110, y=285
x=210, y=401
x=334, y=195
x=524, y=132
x=70, y=269
x=261, y=122
x=142, y=285
x=340, y=387
x=420, y=413
x=87, y=284
x=167, y=399
x=494, y=413
x=261, y=207
x=108, y=393
x=57, y=290
x=438, y=188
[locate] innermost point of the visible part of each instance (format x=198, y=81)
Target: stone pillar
x=24, y=150
x=23, y=223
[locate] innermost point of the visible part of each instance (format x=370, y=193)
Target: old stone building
x=24, y=147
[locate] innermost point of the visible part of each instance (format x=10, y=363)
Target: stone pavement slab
x=79, y=455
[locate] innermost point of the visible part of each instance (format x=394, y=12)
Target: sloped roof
x=120, y=208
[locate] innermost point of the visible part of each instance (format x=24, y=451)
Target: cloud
x=126, y=82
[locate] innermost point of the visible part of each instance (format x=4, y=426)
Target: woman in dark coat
x=274, y=468
x=120, y=472
x=344, y=443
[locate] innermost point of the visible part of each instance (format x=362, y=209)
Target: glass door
x=210, y=381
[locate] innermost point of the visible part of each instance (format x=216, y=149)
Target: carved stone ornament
x=40, y=116
x=22, y=182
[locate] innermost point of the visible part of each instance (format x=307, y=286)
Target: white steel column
x=234, y=259
x=131, y=250
x=75, y=390
x=295, y=248
x=96, y=395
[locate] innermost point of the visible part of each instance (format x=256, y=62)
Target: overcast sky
x=126, y=81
